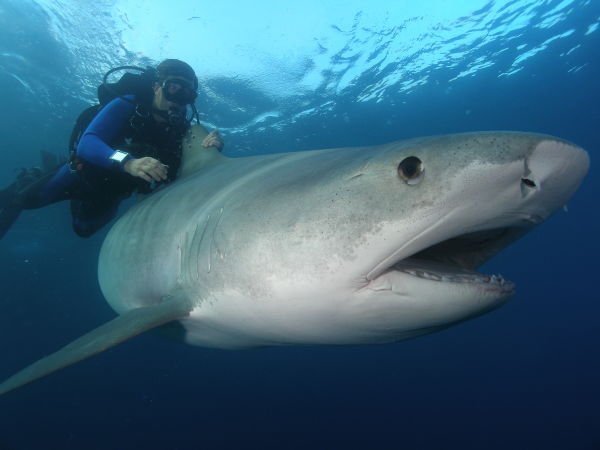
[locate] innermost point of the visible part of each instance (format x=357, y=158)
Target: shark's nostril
x=528, y=182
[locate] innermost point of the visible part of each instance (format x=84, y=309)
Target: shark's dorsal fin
x=195, y=156
x=126, y=326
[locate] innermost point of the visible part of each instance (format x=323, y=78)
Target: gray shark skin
x=347, y=246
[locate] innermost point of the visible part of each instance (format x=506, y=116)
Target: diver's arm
x=93, y=146
x=106, y=127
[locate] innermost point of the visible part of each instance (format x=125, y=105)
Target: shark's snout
x=554, y=169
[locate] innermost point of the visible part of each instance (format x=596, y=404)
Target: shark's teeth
x=450, y=274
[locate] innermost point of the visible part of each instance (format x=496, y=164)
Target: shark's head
x=379, y=244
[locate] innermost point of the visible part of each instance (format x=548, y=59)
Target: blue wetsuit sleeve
x=103, y=129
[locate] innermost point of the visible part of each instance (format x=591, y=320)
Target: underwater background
x=286, y=76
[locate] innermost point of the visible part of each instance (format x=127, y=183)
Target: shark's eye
x=411, y=170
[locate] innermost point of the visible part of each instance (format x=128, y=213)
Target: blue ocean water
x=285, y=77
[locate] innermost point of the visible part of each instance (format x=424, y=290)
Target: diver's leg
x=89, y=215
x=8, y=215
x=9, y=209
x=57, y=188
x=32, y=189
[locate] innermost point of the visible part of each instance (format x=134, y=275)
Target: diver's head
x=175, y=88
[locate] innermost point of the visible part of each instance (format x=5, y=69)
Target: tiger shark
x=346, y=246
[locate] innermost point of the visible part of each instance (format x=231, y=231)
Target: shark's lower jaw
x=447, y=273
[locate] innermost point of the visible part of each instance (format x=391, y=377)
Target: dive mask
x=179, y=91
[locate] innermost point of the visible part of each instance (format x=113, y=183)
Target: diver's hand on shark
x=147, y=168
x=213, y=140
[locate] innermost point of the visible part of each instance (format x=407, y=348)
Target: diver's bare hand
x=147, y=168
x=213, y=140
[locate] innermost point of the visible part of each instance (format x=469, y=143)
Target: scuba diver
x=130, y=142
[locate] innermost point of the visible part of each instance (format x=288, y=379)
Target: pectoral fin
x=120, y=329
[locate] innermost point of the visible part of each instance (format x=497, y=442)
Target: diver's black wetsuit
x=99, y=184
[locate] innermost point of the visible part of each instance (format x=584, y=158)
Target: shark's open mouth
x=455, y=260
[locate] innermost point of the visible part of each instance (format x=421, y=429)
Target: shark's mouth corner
x=455, y=260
